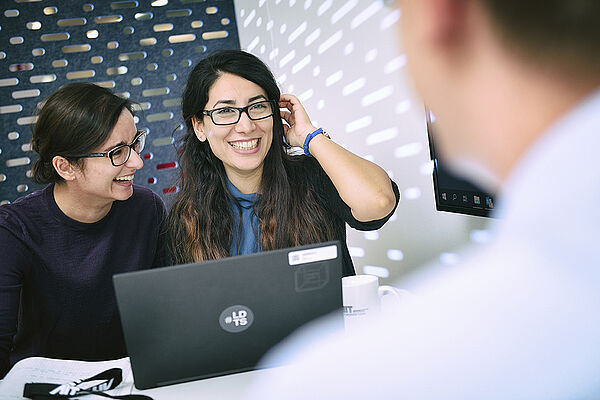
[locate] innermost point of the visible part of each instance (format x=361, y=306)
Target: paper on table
x=50, y=370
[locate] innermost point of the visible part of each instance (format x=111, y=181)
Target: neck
x=80, y=208
x=245, y=182
x=517, y=107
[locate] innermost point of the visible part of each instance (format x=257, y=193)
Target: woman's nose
x=135, y=160
x=245, y=124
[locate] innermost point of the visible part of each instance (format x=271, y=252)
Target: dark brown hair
x=74, y=120
x=200, y=221
x=563, y=32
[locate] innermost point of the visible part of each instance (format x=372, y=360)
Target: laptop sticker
x=311, y=277
x=298, y=257
x=236, y=318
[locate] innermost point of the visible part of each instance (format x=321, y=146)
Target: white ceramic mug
x=362, y=299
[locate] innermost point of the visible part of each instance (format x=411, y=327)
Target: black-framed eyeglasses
x=120, y=154
x=231, y=115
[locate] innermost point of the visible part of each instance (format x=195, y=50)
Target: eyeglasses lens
x=138, y=145
x=260, y=110
x=120, y=154
x=227, y=115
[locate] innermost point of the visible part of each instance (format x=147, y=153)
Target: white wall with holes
x=343, y=59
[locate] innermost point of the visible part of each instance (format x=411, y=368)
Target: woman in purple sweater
x=61, y=245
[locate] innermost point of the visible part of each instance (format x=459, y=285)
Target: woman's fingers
x=288, y=97
x=295, y=115
x=291, y=103
x=287, y=116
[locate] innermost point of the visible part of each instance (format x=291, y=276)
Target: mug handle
x=385, y=290
x=397, y=296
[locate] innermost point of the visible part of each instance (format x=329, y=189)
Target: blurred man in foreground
x=515, y=87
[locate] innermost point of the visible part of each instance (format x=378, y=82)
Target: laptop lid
x=200, y=320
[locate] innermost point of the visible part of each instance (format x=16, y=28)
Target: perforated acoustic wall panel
x=344, y=60
x=140, y=49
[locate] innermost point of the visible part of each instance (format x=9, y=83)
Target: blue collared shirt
x=249, y=234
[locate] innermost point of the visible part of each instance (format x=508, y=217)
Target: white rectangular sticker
x=312, y=255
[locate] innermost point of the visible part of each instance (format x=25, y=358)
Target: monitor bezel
x=449, y=205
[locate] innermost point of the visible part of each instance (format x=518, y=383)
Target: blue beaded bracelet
x=308, y=139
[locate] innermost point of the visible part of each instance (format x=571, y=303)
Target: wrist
x=310, y=137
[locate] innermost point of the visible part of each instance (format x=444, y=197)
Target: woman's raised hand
x=375, y=198
x=298, y=122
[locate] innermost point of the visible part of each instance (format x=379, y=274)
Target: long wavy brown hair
x=201, y=221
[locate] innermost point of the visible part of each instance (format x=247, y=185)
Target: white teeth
x=124, y=178
x=250, y=144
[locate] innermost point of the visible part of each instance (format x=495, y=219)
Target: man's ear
x=198, y=129
x=63, y=167
x=447, y=20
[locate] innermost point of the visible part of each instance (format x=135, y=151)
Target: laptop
x=219, y=317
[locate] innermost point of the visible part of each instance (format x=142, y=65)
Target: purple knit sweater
x=56, y=294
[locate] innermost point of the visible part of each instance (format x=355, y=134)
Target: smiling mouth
x=128, y=178
x=245, y=145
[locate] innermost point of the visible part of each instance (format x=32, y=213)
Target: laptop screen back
x=200, y=320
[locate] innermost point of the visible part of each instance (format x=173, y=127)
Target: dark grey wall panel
x=142, y=49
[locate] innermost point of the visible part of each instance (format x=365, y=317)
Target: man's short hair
x=565, y=32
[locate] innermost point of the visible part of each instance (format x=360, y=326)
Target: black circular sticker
x=236, y=318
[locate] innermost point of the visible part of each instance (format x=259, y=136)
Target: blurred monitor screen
x=452, y=192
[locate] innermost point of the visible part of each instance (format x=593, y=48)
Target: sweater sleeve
x=343, y=211
x=15, y=260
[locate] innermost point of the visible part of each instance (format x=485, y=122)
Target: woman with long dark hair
x=241, y=191
x=61, y=245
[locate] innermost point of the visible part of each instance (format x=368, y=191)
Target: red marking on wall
x=166, y=165
x=172, y=189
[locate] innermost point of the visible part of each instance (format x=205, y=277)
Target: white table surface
x=225, y=387
x=220, y=388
